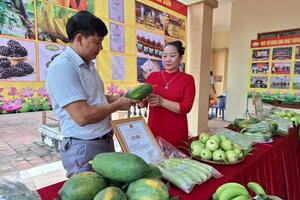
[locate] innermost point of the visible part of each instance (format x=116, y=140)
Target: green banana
x=220, y=189
x=241, y=197
x=256, y=188
x=214, y=197
x=232, y=192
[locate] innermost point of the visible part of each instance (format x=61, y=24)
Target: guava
x=196, y=147
x=226, y=145
x=231, y=156
x=223, y=137
x=211, y=145
x=237, y=148
x=219, y=155
x=215, y=138
x=203, y=137
x=206, y=154
x=241, y=155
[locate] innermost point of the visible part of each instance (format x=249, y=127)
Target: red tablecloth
x=276, y=166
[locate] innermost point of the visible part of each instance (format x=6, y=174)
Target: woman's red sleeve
x=189, y=95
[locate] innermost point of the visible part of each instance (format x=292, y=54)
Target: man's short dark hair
x=85, y=23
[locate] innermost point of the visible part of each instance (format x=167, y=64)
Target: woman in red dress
x=172, y=98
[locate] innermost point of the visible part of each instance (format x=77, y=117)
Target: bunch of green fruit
x=236, y=191
x=285, y=114
x=217, y=148
x=289, y=115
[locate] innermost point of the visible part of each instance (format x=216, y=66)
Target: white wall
x=248, y=18
x=220, y=39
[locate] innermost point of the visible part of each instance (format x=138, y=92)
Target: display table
x=282, y=104
x=276, y=166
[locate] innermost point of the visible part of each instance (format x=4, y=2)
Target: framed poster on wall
x=274, y=68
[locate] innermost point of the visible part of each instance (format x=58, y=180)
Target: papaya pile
x=117, y=176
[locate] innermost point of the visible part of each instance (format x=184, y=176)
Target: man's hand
x=125, y=103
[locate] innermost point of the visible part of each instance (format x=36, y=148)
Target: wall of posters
x=118, y=67
x=33, y=33
x=116, y=37
x=116, y=10
x=275, y=68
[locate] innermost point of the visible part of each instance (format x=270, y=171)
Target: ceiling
x=221, y=16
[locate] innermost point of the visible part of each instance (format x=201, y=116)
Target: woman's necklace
x=170, y=81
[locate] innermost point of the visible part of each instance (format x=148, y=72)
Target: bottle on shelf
x=146, y=45
x=139, y=43
x=151, y=46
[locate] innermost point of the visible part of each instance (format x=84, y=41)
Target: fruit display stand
x=276, y=166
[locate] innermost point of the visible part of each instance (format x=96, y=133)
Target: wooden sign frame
x=135, y=137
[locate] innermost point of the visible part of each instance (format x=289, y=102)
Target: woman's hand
x=155, y=100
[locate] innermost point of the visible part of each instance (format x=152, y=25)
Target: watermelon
x=147, y=188
x=111, y=193
x=83, y=186
x=121, y=167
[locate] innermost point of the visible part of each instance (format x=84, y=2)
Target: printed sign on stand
x=135, y=137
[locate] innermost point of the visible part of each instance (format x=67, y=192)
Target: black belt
x=103, y=137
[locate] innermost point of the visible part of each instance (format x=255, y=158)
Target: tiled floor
x=20, y=144
x=21, y=148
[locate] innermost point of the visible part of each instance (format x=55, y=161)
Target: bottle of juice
x=139, y=43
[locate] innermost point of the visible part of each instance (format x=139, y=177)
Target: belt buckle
x=106, y=136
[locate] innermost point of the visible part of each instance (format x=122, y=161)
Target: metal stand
x=247, y=113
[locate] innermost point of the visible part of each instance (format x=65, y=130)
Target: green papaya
x=111, y=193
x=120, y=167
x=154, y=172
x=83, y=186
x=147, y=188
x=140, y=92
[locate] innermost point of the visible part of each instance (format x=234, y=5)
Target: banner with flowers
x=32, y=34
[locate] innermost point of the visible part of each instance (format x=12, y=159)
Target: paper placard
x=135, y=137
x=258, y=107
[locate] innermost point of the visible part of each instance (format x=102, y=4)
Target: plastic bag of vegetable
x=15, y=190
x=182, y=171
x=185, y=173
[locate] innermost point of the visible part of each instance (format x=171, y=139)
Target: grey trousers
x=75, y=154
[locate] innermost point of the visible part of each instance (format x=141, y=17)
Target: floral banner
x=23, y=100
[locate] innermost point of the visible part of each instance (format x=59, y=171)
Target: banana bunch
x=231, y=191
x=258, y=190
x=49, y=23
x=236, y=191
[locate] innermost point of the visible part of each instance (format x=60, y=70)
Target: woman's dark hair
x=85, y=23
x=178, y=45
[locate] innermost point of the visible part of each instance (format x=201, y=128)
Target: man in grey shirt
x=78, y=98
